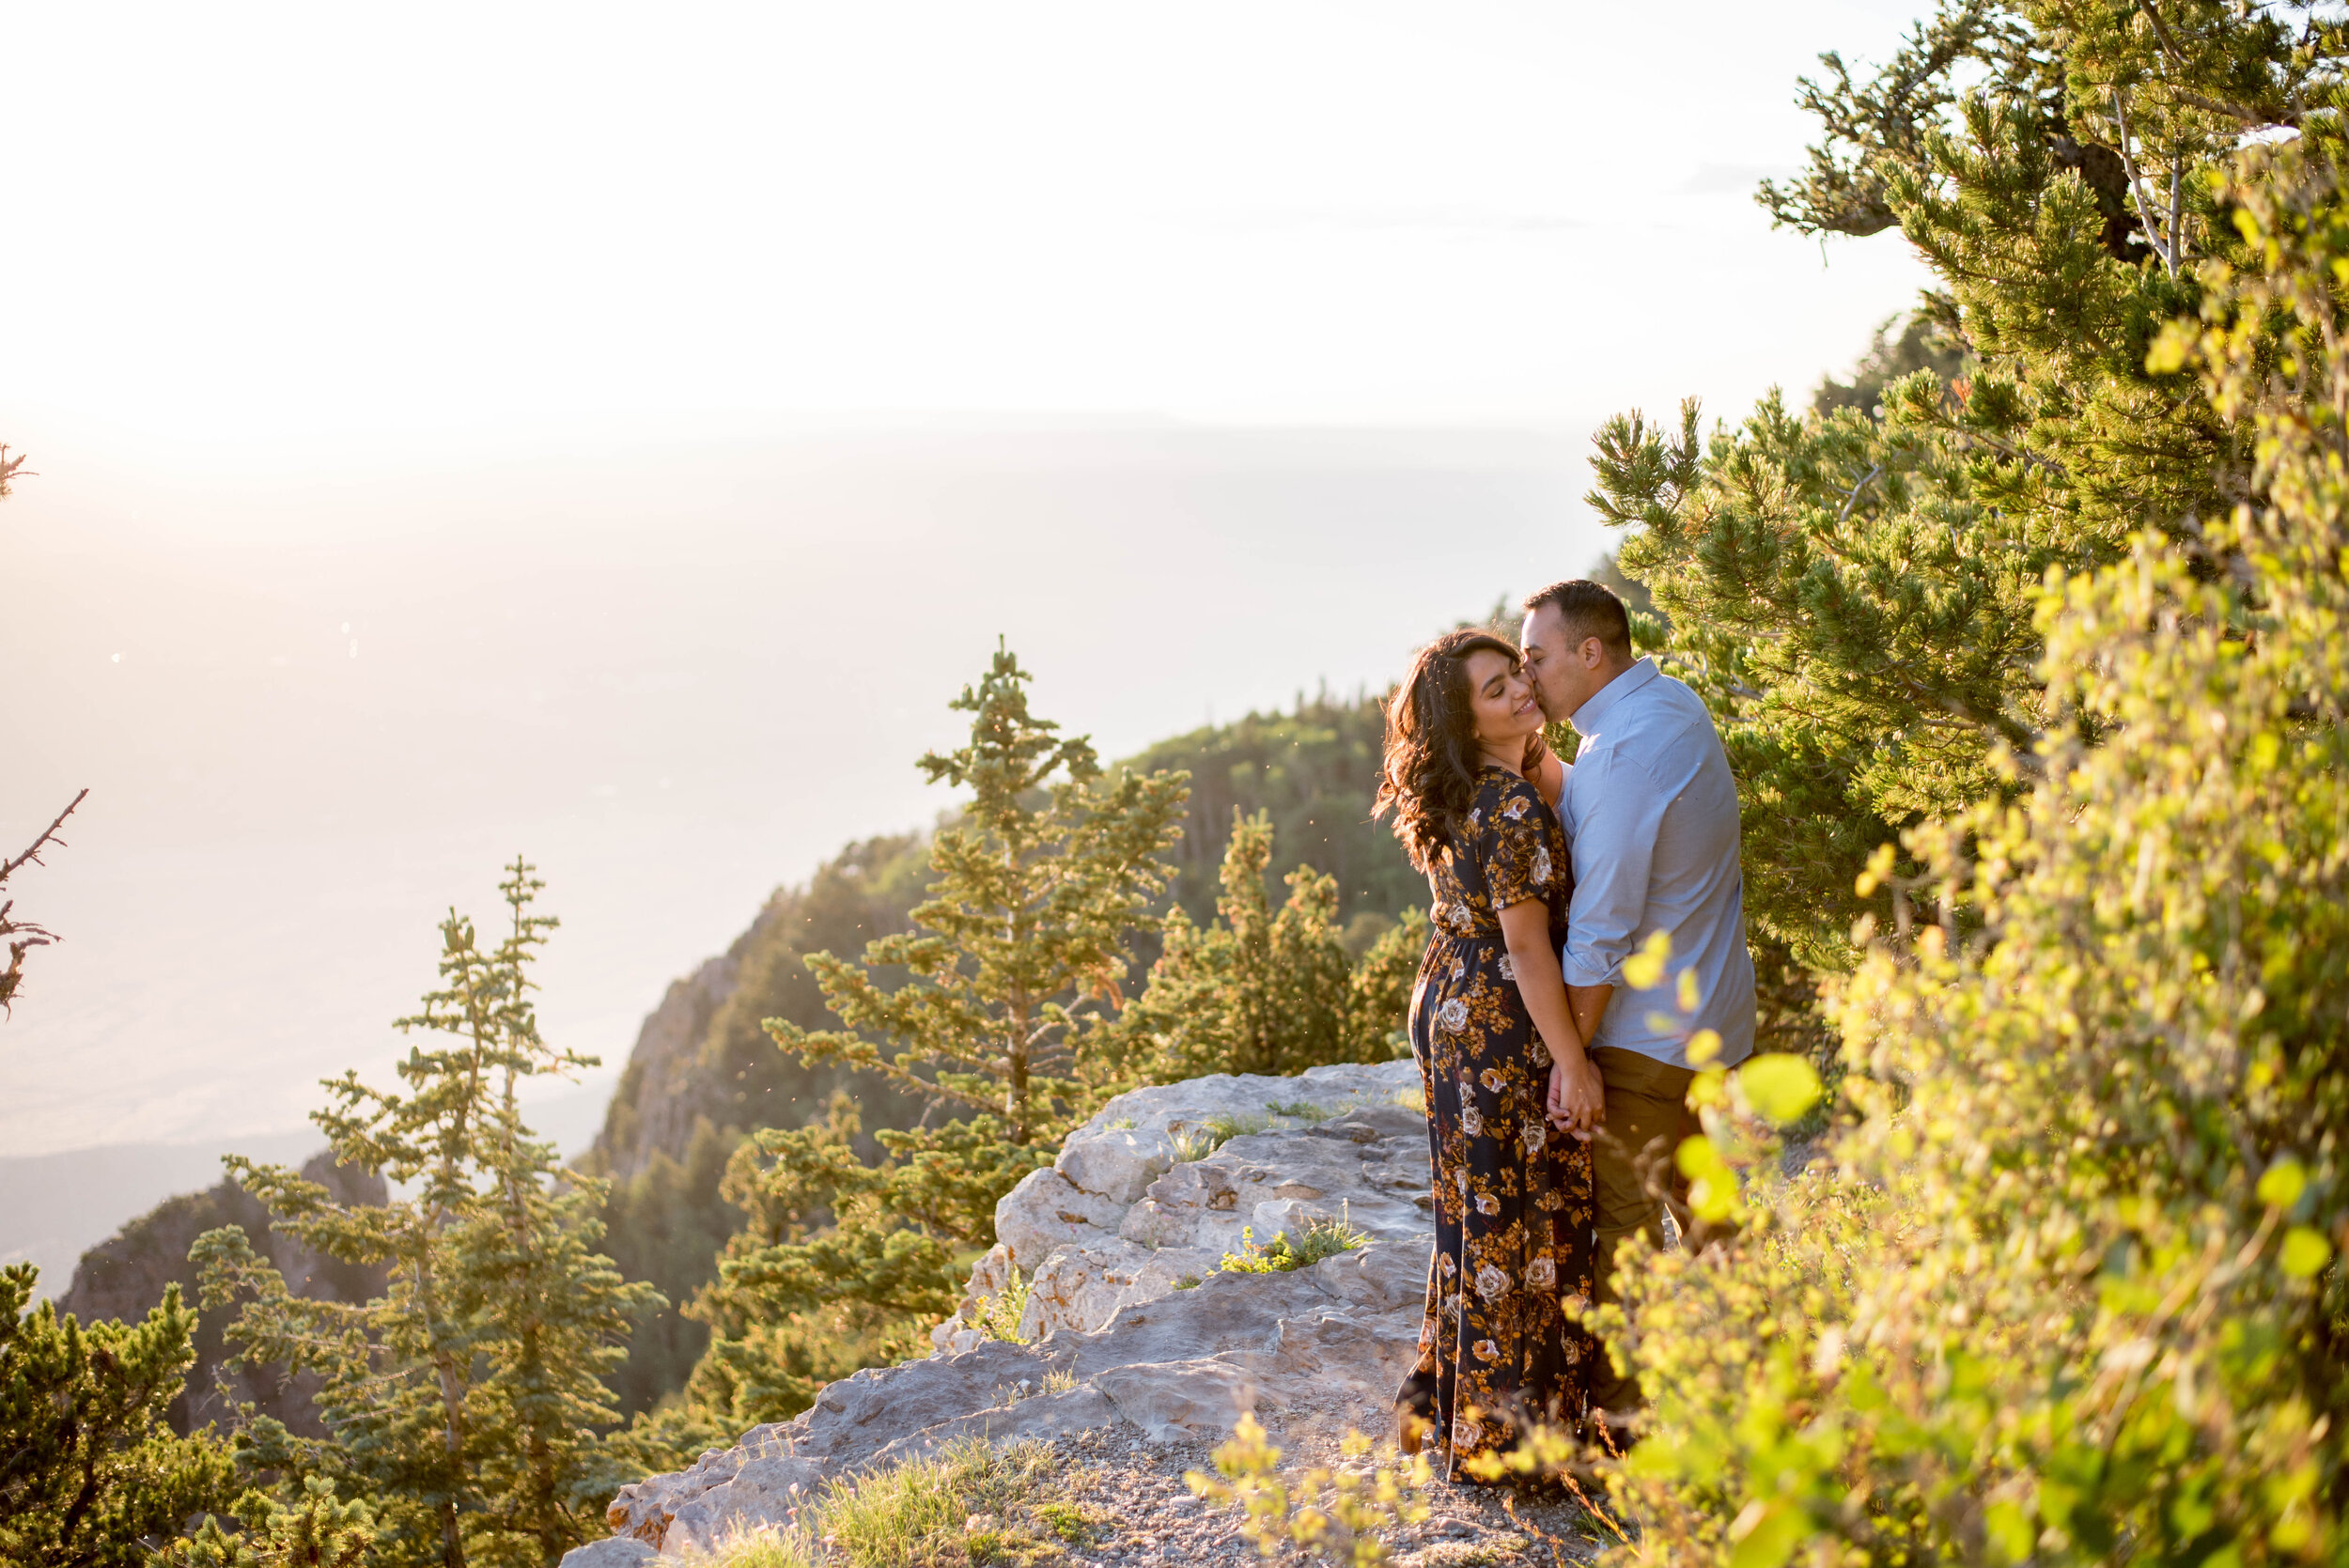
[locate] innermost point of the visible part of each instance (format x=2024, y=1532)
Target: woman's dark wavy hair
x=1427, y=777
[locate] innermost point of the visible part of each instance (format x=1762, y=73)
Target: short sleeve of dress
x=1514, y=849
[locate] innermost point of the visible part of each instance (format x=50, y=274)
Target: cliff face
x=124, y=1277
x=664, y=1088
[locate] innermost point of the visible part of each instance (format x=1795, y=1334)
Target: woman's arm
x=1577, y=1097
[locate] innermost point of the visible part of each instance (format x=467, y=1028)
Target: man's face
x=1565, y=674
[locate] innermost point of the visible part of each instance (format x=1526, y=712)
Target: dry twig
x=22, y=936
x=8, y=467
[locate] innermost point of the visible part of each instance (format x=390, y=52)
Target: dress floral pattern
x=1512, y=1195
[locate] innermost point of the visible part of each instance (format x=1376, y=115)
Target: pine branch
x=2243, y=113
x=1848, y=500
x=2164, y=245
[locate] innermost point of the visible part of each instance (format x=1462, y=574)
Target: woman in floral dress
x=1499, y=1054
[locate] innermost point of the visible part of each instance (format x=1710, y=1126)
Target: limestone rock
x=1172, y=1400
x=612, y=1551
x=1130, y=1321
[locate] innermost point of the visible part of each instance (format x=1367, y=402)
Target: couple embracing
x=1554, y=1105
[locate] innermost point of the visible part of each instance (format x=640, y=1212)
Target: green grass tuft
x=1323, y=1239
x=1228, y=1127
x=999, y=1315
x=764, y=1548
x=966, y=1504
x=1193, y=1143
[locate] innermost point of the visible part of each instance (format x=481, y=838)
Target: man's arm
x=1589, y=1004
x=1620, y=811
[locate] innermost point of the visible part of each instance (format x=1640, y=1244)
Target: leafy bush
x=1339, y=1515
x=2071, y=1291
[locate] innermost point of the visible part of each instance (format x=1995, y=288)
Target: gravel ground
x=1145, y=1514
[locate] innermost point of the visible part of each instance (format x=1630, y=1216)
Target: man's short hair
x=1590, y=609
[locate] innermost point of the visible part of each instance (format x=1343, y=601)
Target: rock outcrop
x=1131, y=1322
x=124, y=1277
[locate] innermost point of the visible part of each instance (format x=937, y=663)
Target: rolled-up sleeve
x=1618, y=811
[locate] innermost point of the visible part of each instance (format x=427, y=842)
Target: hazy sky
x=616, y=433
x=242, y=226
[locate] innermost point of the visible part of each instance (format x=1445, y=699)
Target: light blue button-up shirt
x=1651, y=811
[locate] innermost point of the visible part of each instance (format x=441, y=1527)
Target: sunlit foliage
x=2071, y=1290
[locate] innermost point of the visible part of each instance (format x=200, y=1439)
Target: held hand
x=1537, y=753
x=1577, y=1098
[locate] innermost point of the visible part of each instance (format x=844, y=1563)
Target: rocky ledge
x=1131, y=1326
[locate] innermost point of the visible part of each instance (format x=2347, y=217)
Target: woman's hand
x=1541, y=768
x=1577, y=1097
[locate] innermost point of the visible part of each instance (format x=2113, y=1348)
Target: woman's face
x=1501, y=699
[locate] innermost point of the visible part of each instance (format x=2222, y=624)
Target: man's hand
x=1577, y=1098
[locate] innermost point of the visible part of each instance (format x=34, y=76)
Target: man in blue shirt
x=1651, y=809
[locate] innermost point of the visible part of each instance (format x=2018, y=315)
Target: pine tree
x=463, y=1400
x=1857, y=595
x=1264, y=992
x=1039, y=885
x=823, y=1277
x=316, y=1531
x=1020, y=945
x=89, y=1473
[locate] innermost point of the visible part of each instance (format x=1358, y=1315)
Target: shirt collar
x=1596, y=707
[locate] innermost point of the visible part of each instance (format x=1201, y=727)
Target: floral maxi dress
x=1512, y=1195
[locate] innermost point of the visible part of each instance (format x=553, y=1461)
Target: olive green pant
x=1634, y=1178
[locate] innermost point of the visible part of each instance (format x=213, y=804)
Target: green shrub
x=2071, y=1291
x=1341, y=1515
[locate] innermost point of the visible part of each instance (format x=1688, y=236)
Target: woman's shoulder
x=1506, y=797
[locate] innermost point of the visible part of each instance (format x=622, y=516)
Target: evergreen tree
x=685, y=1106
x=463, y=1400
x=1310, y=769
x=1039, y=884
x=89, y=1473
x=1264, y=992
x=823, y=1278
x=1857, y=595
x=316, y=1531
